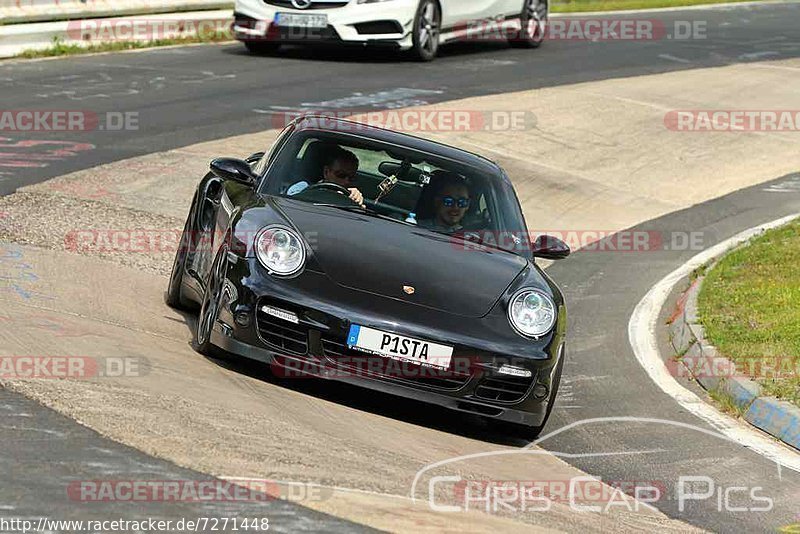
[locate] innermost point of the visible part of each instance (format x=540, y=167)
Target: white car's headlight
x=280, y=250
x=532, y=313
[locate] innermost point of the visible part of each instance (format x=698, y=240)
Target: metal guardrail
x=20, y=11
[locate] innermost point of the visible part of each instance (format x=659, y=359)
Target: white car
x=419, y=26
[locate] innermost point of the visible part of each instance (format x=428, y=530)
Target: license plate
x=301, y=20
x=400, y=348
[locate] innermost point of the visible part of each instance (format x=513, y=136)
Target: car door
x=459, y=12
x=503, y=8
x=512, y=8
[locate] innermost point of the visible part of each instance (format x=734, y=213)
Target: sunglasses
x=449, y=202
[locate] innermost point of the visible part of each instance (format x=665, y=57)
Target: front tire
x=212, y=300
x=427, y=31
x=174, y=295
x=533, y=21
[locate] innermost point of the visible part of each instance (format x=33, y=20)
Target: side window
x=370, y=160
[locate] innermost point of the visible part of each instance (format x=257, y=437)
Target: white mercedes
x=418, y=26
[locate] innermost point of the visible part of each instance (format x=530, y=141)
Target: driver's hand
x=357, y=197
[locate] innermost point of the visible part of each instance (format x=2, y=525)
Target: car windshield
x=410, y=187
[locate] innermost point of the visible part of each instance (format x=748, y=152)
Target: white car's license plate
x=301, y=20
x=400, y=348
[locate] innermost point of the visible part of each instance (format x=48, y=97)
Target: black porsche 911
x=363, y=255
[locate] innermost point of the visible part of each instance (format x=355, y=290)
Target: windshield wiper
x=341, y=207
x=359, y=209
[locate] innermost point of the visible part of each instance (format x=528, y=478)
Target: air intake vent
x=282, y=334
x=378, y=27
x=503, y=388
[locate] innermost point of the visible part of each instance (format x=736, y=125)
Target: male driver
x=341, y=168
x=451, y=201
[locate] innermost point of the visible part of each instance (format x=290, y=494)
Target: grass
x=726, y=403
x=60, y=48
x=750, y=307
x=577, y=6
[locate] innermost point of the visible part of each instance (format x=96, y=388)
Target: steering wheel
x=328, y=186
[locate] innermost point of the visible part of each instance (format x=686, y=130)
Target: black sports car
x=363, y=255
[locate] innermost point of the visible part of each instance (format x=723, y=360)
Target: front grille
x=287, y=4
x=361, y=364
x=503, y=388
x=282, y=334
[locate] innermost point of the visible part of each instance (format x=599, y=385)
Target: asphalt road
x=190, y=94
x=604, y=380
x=186, y=95
x=47, y=458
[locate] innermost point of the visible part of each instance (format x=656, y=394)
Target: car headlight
x=280, y=250
x=532, y=313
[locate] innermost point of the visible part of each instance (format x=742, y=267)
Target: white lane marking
x=791, y=185
x=392, y=98
x=669, y=57
x=758, y=55
x=641, y=334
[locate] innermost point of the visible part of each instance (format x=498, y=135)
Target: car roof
x=342, y=126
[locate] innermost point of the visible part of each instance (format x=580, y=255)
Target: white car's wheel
x=533, y=21
x=427, y=30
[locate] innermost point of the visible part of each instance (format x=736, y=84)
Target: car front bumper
x=381, y=24
x=316, y=347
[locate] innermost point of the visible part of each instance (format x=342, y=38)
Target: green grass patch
x=750, y=307
x=577, y=6
x=725, y=403
x=60, y=48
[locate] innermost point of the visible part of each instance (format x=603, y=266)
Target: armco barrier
x=19, y=11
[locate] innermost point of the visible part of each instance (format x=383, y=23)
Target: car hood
x=384, y=258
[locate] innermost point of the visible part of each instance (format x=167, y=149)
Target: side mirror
x=234, y=169
x=550, y=248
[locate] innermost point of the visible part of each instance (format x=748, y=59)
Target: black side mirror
x=550, y=248
x=234, y=169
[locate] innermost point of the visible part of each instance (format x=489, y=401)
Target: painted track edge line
x=642, y=338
